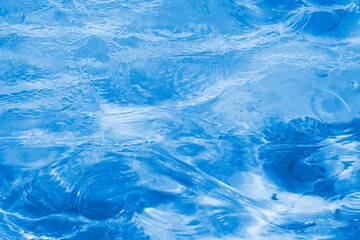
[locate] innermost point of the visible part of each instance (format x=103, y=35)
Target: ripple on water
x=338, y=23
x=95, y=48
x=330, y=107
x=349, y=215
x=57, y=200
x=351, y=204
x=103, y=190
x=304, y=155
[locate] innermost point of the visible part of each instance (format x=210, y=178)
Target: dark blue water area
x=187, y=119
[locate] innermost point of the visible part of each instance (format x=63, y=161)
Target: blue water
x=180, y=119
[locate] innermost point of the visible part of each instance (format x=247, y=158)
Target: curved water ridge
x=179, y=119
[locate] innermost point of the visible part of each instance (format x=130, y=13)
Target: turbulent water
x=179, y=119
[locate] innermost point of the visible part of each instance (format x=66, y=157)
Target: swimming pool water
x=186, y=119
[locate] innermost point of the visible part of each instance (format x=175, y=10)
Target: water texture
x=179, y=119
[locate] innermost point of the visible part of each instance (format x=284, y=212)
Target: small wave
x=179, y=119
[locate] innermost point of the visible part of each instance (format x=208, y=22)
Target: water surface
x=186, y=119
